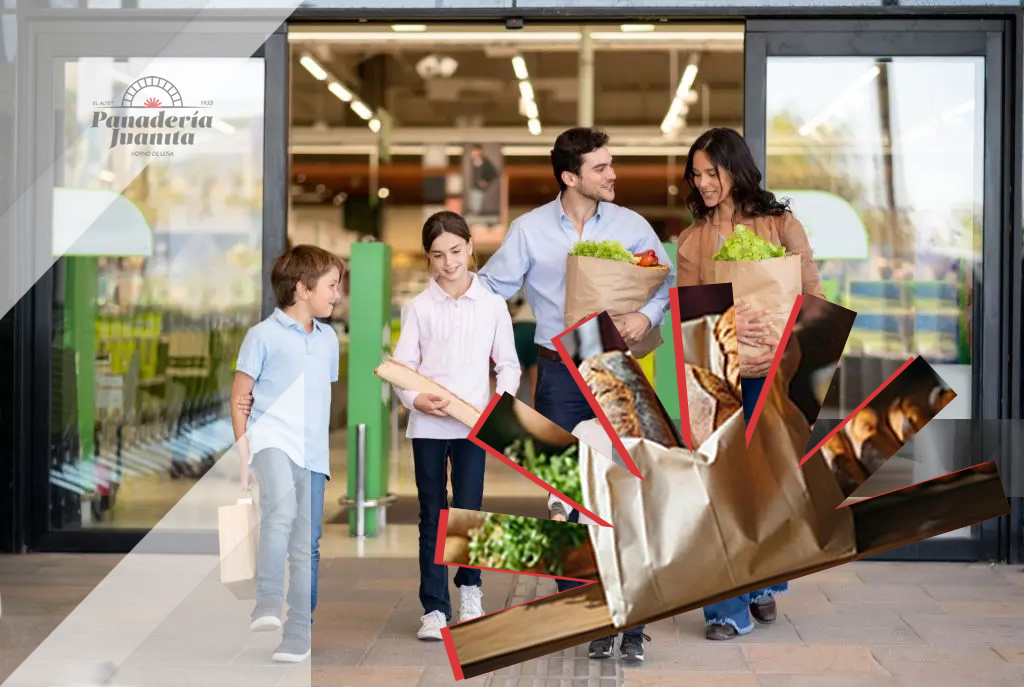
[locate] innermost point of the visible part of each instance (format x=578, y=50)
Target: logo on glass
x=154, y=125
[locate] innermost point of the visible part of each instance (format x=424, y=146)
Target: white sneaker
x=431, y=625
x=471, y=606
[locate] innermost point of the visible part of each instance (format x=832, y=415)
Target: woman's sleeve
x=794, y=239
x=407, y=351
x=503, y=353
x=687, y=262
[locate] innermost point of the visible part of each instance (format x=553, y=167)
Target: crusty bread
x=872, y=442
x=710, y=402
x=848, y=471
x=627, y=399
x=725, y=334
x=907, y=415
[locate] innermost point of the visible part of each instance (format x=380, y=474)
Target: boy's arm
x=241, y=387
x=503, y=274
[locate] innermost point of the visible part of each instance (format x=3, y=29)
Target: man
x=482, y=175
x=535, y=251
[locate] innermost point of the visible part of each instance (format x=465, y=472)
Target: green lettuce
x=606, y=250
x=744, y=245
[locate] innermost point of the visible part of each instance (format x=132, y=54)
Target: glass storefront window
x=883, y=161
x=158, y=218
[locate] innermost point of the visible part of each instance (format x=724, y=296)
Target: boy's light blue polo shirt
x=293, y=370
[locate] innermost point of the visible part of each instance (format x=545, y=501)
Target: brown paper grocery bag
x=771, y=285
x=731, y=517
x=593, y=285
x=238, y=531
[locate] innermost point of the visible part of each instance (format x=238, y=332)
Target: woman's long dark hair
x=729, y=151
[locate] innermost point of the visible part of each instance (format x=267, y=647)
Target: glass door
x=161, y=196
x=887, y=137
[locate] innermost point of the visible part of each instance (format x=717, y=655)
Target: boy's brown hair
x=302, y=263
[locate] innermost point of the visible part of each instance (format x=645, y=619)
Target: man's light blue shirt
x=293, y=370
x=536, y=248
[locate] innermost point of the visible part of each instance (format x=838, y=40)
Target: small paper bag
x=238, y=531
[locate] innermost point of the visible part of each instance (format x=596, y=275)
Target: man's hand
x=245, y=404
x=431, y=404
x=633, y=326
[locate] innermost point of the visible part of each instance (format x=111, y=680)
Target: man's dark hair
x=571, y=146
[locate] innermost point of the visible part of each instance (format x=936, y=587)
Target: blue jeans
x=430, y=457
x=736, y=612
x=560, y=400
x=291, y=515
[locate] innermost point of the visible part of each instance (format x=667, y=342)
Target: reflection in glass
x=891, y=151
x=159, y=279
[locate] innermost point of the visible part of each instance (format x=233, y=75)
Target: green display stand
x=369, y=398
x=80, y=335
x=665, y=383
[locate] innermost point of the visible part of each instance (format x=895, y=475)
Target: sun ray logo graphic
x=152, y=102
x=701, y=509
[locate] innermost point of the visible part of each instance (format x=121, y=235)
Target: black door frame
x=48, y=41
x=997, y=311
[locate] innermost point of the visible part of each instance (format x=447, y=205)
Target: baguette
x=725, y=334
x=627, y=399
x=408, y=379
x=848, y=471
x=907, y=415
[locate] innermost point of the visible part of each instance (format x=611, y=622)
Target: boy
x=285, y=369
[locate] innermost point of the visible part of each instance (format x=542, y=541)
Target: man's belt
x=545, y=352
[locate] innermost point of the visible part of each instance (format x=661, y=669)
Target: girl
x=450, y=333
x=725, y=191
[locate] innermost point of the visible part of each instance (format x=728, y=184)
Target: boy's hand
x=558, y=517
x=245, y=404
x=248, y=480
x=431, y=404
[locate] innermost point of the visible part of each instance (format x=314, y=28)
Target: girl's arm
x=503, y=353
x=241, y=387
x=794, y=239
x=407, y=351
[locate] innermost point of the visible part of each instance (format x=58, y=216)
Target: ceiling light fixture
x=519, y=67
x=534, y=126
x=636, y=28
x=313, y=67
x=531, y=110
x=342, y=93
x=360, y=108
x=526, y=90
x=409, y=28
x=679, y=107
x=374, y=125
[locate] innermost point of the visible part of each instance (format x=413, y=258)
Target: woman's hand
x=756, y=368
x=431, y=404
x=752, y=327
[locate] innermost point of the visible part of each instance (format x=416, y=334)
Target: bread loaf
x=907, y=415
x=710, y=402
x=872, y=442
x=725, y=334
x=627, y=399
x=848, y=471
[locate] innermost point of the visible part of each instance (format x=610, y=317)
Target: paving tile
x=992, y=590
x=362, y=676
x=989, y=609
x=950, y=630
x=1011, y=654
x=976, y=666
x=438, y=676
x=708, y=656
x=811, y=659
x=830, y=680
x=406, y=652
x=856, y=627
x=890, y=572
x=896, y=597
x=806, y=599
x=640, y=677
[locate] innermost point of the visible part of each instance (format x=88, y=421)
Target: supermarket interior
x=882, y=159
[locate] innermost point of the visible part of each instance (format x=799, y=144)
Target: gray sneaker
x=266, y=617
x=294, y=648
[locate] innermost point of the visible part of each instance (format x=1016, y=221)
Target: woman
x=451, y=333
x=725, y=190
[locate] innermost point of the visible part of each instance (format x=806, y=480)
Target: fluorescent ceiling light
x=636, y=28
x=374, y=125
x=312, y=67
x=680, y=36
x=519, y=66
x=361, y=109
x=531, y=110
x=408, y=28
x=526, y=90
x=686, y=83
x=840, y=102
x=343, y=93
x=534, y=126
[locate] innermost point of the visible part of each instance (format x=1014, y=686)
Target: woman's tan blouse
x=699, y=242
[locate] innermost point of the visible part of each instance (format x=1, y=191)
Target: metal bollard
x=361, y=481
